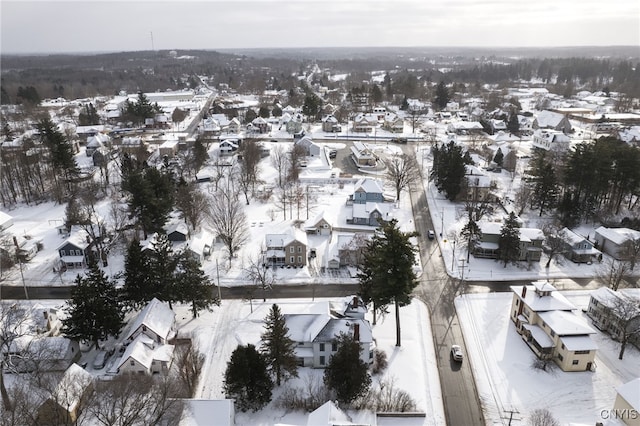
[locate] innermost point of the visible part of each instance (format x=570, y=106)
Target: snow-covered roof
x=145, y=350
x=605, y=296
x=5, y=221
x=202, y=411
x=630, y=391
x=55, y=347
x=334, y=327
x=328, y=414
x=565, y=323
x=551, y=302
x=539, y=335
x=364, y=210
x=71, y=387
x=548, y=118
x=571, y=237
x=618, y=235
x=305, y=327
x=282, y=240
x=156, y=316
x=579, y=343
x=370, y=186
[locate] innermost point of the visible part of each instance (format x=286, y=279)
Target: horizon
x=102, y=26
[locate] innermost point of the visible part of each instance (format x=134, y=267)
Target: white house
x=612, y=241
x=551, y=140
x=626, y=407
x=156, y=321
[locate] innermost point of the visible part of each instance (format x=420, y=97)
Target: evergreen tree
x=513, y=125
x=60, y=151
x=277, y=347
x=545, y=188
x=276, y=111
x=376, y=94
x=471, y=232
x=200, y=154
x=193, y=286
x=138, y=286
x=449, y=168
x=347, y=374
x=264, y=111
x=162, y=268
x=386, y=275
x=442, y=96
x=246, y=379
x=152, y=196
x=94, y=309
x=312, y=106
x=498, y=158
x=250, y=115
x=405, y=104
x=509, y=242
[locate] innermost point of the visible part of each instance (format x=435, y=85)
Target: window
x=299, y=249
x=553, y=333
x=581, y=352
x=334, y=347
x=62, y=253
x=321, y=347
x=574, y=362
x=299, y=259
x=292, y=259
x=560, y=357
x=292, y=249
x=321, y=360
x=132, y=362
x=517, y=302
x=563, y=346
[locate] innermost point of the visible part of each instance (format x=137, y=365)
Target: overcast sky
x=97, y=26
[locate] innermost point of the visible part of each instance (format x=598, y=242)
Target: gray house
x=612, y=241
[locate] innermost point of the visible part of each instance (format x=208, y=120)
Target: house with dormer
x=286, y=250
x=393, y=123
x=546, y=321
x=314, y=333
x=365, y=123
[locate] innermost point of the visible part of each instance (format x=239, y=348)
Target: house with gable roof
x=547, y=323
x=362, y=155
x=627, y=403
x=315, y=333
x=551, y=140
x=393, y=123
x=286, y=250
x=261, y=125
x=311, y=149
x=328, y=414
x=147, y=349
x=612, y=241
x=330, y=124
x=531, y=240
x=368, y=204
x=553, y=121
x=74, y=251
x=67, y=399
x=319, y=225
x=604, y=305
x=365, y=123
x=576, y=247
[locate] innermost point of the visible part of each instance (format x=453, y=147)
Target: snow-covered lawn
x=412, y=366
x=502, y=365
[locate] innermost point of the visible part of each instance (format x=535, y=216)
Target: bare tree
x=192, y=204
x=280, y=161
x=134, y=400
x=626, y=315
x=352, y=253
x=555, y=241
x=542, y=417
x=631, y=252
x=522, y=198
x=228, y=219
x=14, y=323
x=188, y=362
x=260, y=273
x=296, y=156
x=402, y=171
x=613, y=272
x=248, y=170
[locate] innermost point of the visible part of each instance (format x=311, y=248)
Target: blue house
x=368, y=191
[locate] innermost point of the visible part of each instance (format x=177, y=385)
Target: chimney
x=524, y=291
x=356, y=332
x=15, y=241
x=355, y=302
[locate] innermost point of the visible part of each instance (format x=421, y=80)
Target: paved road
x=438, y=291
x=242, y=292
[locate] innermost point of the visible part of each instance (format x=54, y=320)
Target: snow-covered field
x=502, y=365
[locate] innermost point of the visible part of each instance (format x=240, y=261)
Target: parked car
x=100, y=359
x=456, y=353
x=431, y=234
x=333, y=153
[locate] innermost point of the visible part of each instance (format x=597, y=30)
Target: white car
x=431, y=234
x=456, y=353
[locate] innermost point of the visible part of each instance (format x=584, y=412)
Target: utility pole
x=218, y=278
x=152, y=47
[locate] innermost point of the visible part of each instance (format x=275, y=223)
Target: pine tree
x=449, y=168
x=193, y=286
x=162, y=269
x=499, y=157
x=277, y=347
x=386, y=275
x=442, y=96
x=137, y=289
x=94, y=309
x=347, y=374
x=509, y=242
x=246, y=379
